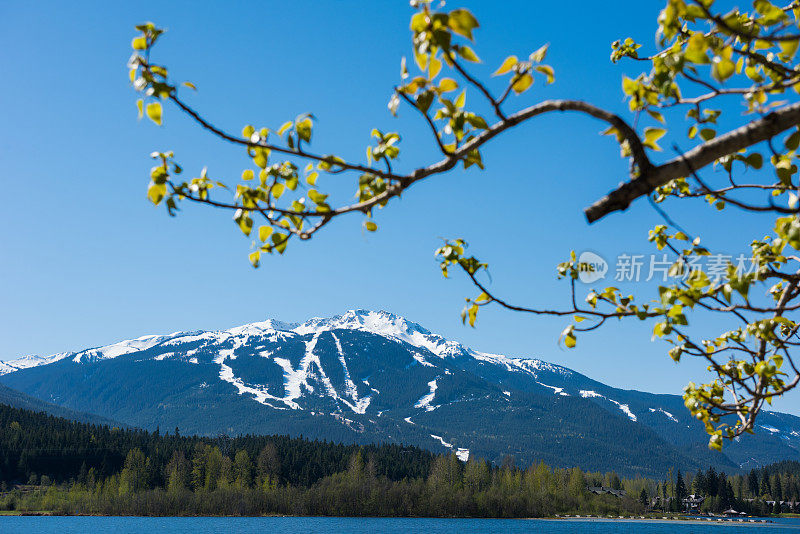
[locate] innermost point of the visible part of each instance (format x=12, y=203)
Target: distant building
x=692, y=502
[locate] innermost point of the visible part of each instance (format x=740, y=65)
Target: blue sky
x=85, y=260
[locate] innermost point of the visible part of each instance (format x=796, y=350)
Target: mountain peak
x=373, y=321
x=270, y=325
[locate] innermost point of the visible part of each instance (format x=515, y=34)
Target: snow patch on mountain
x=360, y=405
x=422, y=361
x=624, y=407
x=442, y=441
x=530, y=366
x=662, y=410
x=122, y=347
x=295, y=380
x=425, y=400
x=557, y=391
x=259, y=394
x=461, y=454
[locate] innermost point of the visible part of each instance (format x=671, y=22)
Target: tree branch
x=748, y=135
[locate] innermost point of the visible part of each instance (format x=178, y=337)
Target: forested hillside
x=53, y=464
x=17, y=399
x=35, y=444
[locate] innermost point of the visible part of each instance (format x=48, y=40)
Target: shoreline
x=641, y=519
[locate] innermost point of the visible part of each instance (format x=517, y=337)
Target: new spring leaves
x=288, y=203
x=703, y=59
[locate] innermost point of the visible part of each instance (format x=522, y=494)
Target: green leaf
x=316, y=197
x=277, y=190
x=468, y=54
x=447, y=84
x=424, y=101
x=461, y=100
x=286, y=125
x=770, y=13
x=303, y=129
x=522, y=83
x=570, y=341
x=656, y=115
x=255, y=258
x=629, y=86
x=418, y=22
x=473, y=314
x=434, y=67
x=280, y=241
x=723, y=69
x=755, y=160
x=371, y=226
x=483, y=298
x=477, y=121
x=140, y=107
x=793, y=140
x=190, y=85
x=248, y=174
x=154, y=112
x=547, y=70
x=651, y=135
x=244, y=221
x=696, y=49
x=569, y=336
x=261, y=157
x=789, y=48
x=462, y=22
x=264, y=232
x=139, y=43
x=707, y=134
x=507, y=65
x=156, y=193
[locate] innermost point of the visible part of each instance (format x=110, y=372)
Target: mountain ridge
x=366, y=376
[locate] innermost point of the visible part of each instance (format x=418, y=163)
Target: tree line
x=52, y=464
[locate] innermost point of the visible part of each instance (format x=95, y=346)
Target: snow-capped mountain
x=30, y=360
x=367, y=376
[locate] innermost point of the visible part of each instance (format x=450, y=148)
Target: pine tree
x=752, y=483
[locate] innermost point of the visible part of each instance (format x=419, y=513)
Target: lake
x=291, y=525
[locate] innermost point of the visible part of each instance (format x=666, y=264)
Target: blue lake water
x=292, y=525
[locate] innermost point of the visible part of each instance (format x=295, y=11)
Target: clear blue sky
x=85, y=260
